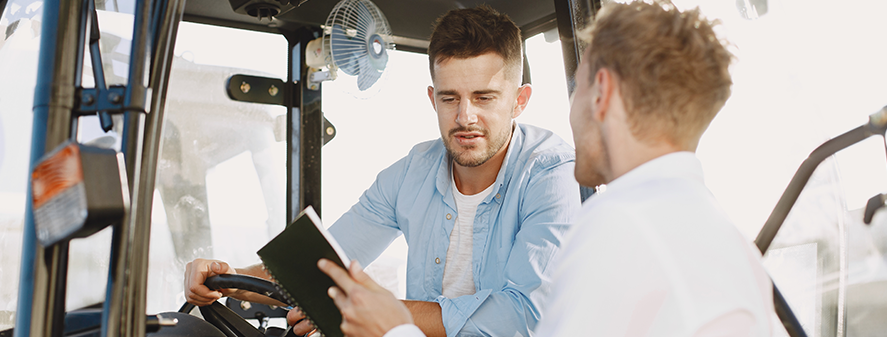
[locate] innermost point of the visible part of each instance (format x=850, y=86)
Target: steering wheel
x=227, y=321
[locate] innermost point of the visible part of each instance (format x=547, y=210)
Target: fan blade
x=368, y=74
x=366, y=23
x=346, y=51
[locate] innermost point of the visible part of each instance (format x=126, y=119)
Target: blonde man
x=654, y=255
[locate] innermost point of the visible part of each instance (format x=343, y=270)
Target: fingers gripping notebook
x=291, y=260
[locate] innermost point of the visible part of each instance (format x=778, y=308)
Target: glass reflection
x=20, y=25
x=221, y=176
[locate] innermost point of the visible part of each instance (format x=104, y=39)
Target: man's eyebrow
x=486, y=92
x=476, y=92
x=447, y=93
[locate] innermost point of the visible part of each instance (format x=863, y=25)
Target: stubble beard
x=590, y=172
x=462, y=155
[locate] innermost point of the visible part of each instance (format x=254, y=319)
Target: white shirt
x=655, y=255
x=458, y=277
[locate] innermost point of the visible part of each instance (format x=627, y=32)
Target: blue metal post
x=43, y=271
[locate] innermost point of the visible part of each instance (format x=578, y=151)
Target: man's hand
x=367, y=308
x=196, y=272
x=304, y=327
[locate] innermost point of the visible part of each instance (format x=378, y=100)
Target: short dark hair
x=471, y=32
x=672, y=67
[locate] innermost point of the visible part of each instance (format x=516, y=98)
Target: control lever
x=872, y=206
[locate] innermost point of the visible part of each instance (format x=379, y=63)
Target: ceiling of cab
x=408, y=18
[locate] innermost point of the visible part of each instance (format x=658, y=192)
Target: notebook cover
x=291, y=260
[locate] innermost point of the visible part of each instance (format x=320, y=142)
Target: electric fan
x=355, y=39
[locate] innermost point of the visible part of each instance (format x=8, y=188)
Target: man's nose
x=467, y=114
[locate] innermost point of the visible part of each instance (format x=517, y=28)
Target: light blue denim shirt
x=517, y=229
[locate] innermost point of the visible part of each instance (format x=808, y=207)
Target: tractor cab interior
x=221, y=119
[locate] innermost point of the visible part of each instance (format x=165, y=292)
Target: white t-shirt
x=458, y=277
x=655, y=255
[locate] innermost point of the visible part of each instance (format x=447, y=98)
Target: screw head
x=244, y=87
x=330, y=131
x=273, y=90
x=88, y=99
x=115, y=98
x=245, y=305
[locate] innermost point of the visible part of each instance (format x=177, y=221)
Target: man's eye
x=484, y=98
x=448, y=99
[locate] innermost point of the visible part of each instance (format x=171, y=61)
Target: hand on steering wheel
x=196, y=274
x=230, y=323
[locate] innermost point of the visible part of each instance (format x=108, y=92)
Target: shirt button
x=437, y=260
x=449, y=216
x=498, y=196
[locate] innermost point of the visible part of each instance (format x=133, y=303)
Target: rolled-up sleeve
x=546, y=206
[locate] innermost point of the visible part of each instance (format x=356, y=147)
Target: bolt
x=330, y=131
x=115, y=98
x=245, y=305
x=273, y=90
x=88, y=99
x=244, y=87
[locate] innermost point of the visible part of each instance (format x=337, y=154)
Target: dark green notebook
x=291, y=259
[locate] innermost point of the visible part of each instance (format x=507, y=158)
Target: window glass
x=89, y=258
x=549, y=106
x=221, y=179
x=797, y=83
x=220, y=187
x=20, y=25
x=373, y=130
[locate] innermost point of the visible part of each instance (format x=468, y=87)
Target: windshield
x=222, y=162
x=806, y=72
x=221, y=177
x=19, y=44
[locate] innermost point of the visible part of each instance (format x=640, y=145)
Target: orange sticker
x=56, y=174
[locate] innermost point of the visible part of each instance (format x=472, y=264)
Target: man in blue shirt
x=483, y=209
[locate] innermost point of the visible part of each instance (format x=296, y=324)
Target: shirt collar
x=681, y=164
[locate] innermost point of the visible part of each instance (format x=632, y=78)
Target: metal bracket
x=91, y=100
x=265, y=90
x=255, y=89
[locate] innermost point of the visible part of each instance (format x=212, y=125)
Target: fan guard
x=356, y=38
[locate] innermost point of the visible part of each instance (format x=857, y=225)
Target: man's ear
x=431, y=97
x=523, y=98
x=602, y=91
